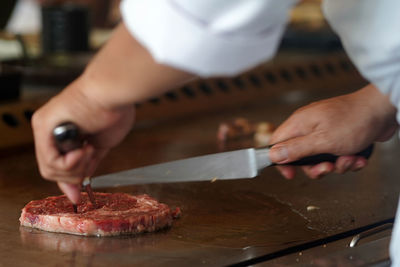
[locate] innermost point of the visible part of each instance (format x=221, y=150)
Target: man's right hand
x=342, y=126
x=105, y=128
x=101, y=103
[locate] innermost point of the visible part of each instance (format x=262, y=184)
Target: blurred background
x=46, y=44
x=28, y=18
x=49, y=42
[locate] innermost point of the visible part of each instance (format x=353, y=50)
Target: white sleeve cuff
x=368, y=30
x=178, y=39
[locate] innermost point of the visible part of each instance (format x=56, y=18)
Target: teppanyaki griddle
x=222, y=223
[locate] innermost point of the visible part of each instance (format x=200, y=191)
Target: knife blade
x=238, y=164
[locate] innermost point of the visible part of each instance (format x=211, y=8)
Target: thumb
x=297, y=148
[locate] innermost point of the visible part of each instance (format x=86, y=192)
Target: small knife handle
x=68, y=137
x=315, y=159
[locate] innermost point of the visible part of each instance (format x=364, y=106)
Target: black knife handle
x=315, y=159
x=68, y=137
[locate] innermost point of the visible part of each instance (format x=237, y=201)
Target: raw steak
x=118, y=214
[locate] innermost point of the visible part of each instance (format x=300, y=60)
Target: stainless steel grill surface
x=222, y=223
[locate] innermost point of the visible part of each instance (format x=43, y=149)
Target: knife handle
x=67, y=137
x=315, y=159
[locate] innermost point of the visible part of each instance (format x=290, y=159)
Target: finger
x=307, y=171
x=288, y=172
x=72, y=191
x=81, y=170
x=360, y=163
x=73, y=159
x=344, y=164
x=46, y=154
x=319, y=170
x=65, y=178
x=94, y=161
x=300, y=147
x=74, y=170
x=288, y=129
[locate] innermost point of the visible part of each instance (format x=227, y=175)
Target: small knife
x=68, y=137
x=244, y=163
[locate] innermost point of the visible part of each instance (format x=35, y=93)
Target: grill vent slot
x=188, y=91
x=301, y=73
x=271, y=78
x=286, y=75
x=173, y=96
x=222, y=85
x=10, y=120
x=205, y=88
x=330, y=68
x=155, y=100
x=255, y=80
x=239, y=83
x=316, y=70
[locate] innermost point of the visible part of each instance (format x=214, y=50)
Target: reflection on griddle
x=66, y=243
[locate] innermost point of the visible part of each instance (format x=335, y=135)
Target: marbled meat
x=117, y=214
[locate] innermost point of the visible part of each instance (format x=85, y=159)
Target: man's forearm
x=124, y=72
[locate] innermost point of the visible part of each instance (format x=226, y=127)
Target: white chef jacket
x=25, y=18
x=225, y=37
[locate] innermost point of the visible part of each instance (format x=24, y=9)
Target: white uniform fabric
x=368, y=30
x=225, y=37
x=369, y=33
x=208, y=37
x=25, y=18
x=395, y=242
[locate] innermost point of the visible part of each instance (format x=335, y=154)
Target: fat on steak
x=118, y=214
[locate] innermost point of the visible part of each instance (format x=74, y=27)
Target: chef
x=161, y=44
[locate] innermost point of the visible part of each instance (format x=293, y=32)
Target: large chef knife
x=245, y=163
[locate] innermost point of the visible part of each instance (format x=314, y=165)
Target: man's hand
x=105, y=128
x=101, y=104
x=342, y=125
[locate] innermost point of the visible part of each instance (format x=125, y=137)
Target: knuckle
x=47, y=173
x=35, y=121
x=324, y=142
x=75, y=180
x=65, y=168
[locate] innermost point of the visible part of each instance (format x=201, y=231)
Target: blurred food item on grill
x=242, y=128
x=263, y=134
x=238, y=128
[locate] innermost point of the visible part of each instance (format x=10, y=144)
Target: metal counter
x=223, y=223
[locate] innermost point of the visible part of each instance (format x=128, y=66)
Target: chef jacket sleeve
x=208, y=37
x=395, y=241
x=369, y=31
